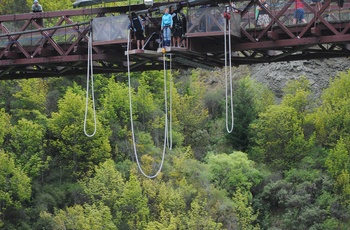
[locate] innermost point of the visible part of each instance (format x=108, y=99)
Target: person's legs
x=318, y=5
x=164, y=36
x=167, y=36
x=295, y=16
x=302, y=16
x=299, y=16
x=138, y=44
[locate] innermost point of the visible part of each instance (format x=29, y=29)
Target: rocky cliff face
x=276, y=75
x=319, y=73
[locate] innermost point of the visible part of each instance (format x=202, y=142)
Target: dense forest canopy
x=285, y=165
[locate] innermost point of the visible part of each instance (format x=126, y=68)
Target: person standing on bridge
x=137, y=25
x=299, y=15
x=166, y=26
x=36, y=7
x=263, y=17
x=177, y=29
x=316, y=3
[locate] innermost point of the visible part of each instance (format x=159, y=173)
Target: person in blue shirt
x=166, y=26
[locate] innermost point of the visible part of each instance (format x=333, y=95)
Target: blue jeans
x=166, y=36
x=299, y=14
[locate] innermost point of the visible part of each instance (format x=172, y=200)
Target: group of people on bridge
x=173, y=27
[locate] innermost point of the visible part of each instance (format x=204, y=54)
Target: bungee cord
x=170, y=135
x=89, y=74
x=229, y=129
x=132, y=122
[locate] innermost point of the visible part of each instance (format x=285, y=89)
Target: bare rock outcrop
x=318, y=72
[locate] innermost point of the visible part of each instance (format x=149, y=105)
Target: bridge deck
x=55, y=43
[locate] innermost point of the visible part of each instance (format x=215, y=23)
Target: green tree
x=244, y=210
x=233, y=171
x=115, y=105
x=106, y=187
x=278, y=138
x=247, y=105
x=27, y=144
x=338, y=165
x=5, y=125
x=13, y=7
x=7, y=90
x=166, y=205
x=74, y=152
x=303, y=199
x=89, y=217
x=199, y=218
x=54, y=5
x=332, y=119
x=15, y=187
x=132, y=206
x=296, y=95
x=189, y=108
x=30, y=101
x=115, y=115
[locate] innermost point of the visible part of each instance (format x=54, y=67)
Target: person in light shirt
x=36, y=7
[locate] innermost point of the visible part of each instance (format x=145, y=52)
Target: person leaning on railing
x=36, y=8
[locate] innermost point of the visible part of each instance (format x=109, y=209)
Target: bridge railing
x=112, y=28
x=211, y=20
x=333, y=13
x=18, y=32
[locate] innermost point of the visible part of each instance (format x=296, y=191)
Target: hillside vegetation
x=286, y=165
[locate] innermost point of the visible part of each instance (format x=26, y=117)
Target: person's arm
x=171, y=22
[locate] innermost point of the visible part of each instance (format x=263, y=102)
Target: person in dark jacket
x=177, y=28
x=138, y=27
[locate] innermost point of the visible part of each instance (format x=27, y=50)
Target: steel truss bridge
x=50, y=44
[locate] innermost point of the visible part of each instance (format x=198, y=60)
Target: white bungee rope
x=132, y=122
x=229, y=129
x=89, y=75
x=170, y=135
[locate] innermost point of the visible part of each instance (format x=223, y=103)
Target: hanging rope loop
x=227, y=28
x=90, y=75
x=132, y=122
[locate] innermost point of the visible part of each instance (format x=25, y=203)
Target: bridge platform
x=59, y=46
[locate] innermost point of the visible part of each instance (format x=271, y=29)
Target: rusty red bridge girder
x=51, y=44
